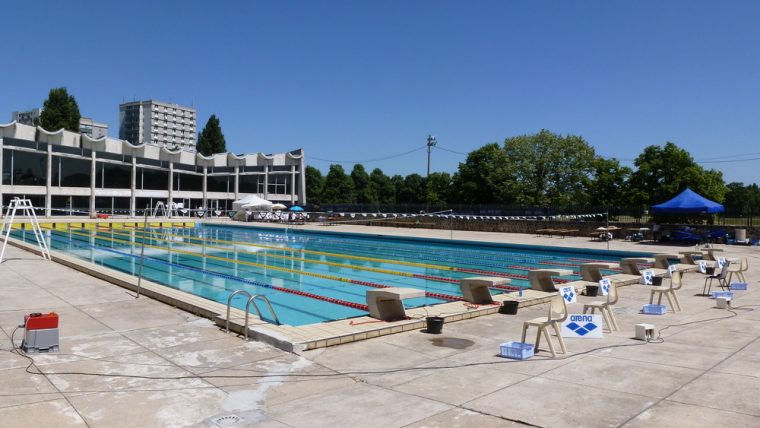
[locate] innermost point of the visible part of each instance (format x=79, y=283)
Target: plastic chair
x=557, y=314
x=605, y=307
x=721, y=277
x=669, y=291
x=738, y=270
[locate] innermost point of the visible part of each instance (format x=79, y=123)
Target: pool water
x=309, y=277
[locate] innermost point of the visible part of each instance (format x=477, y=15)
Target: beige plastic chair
x=605, y=307
x=669, y=291
x=557, y=314
x=738, y=269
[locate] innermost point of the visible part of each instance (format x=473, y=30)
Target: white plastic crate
x=654, y=309
x=516, y=350
x=728, y=295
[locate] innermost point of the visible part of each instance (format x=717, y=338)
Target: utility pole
x=431, y=142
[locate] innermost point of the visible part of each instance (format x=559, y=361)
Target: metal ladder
x=27, y=210
x=251, y=300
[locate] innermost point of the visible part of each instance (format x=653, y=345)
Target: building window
x=28, y=169
x=219, y=183
x=279, y=184
x=68, y=172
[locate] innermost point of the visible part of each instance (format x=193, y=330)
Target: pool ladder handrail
x=229, y=305
x=251, y=299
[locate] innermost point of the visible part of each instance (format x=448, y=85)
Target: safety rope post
x=142, y=252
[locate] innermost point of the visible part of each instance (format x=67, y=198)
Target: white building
x=68, y=172
x=86, y=124
x=93, y=129
x=26, y=117
x=158, y=124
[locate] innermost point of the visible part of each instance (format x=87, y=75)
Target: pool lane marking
x=278, y=268
x=321, y=262
x=354, y=305
x=371, y=259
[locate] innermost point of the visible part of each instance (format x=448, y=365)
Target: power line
x=370, y=160
x=451, y=151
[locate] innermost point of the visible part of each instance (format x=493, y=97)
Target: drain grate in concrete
x=226, y=420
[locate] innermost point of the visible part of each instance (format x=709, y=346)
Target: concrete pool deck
x=704, y=374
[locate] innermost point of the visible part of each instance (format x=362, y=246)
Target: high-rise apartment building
x=94, y=129
x=26, y=117
x=157, y=123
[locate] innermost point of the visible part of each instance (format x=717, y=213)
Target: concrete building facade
x=93, y=129
x=158, y=124
x=71, y=173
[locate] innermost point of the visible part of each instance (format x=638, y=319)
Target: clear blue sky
x=360, y=80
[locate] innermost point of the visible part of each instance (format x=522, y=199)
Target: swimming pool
x=309, y=277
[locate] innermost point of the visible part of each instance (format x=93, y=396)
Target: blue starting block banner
x=583, y=326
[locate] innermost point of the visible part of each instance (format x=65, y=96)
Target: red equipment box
x=41, y=321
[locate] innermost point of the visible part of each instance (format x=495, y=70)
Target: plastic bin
x=516, y=350
x=739, y=286
x=724, y=294
x=654, y=309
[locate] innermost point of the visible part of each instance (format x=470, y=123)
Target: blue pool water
x=309, y=277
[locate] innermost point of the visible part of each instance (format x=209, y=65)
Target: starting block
x=476, y=289
x=387, y=303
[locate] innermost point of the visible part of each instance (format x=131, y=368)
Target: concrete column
x=292, y=184
x=266, y=182
x=205, y=186
x=133, y=188
x=302, y=181
x=171, y=188
x=237, y=182
x=49, y=181
x=93, y=181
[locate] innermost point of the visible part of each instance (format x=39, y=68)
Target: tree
x=339, y=188
x=211, y=139
x=383, y=187
x=482, y=177
x=742, y=200
x=438, y=188
x=364, y=192
x=663, y=172
x=548, y=169
x=60, y=110
x=413, y=191
x=315, y=184
x=609, y=183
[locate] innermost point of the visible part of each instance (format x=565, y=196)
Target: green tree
x=315, y=184
x=548, y=169
x=413, y=191
x=383, y=187
x=60, y=110
x=663, y=172
x=482, y=177
x=211, y=139
x=438, y=188
x=742, y=200
x=339, y=188
x=609, y=183
x=400, y=185
x=365, y=193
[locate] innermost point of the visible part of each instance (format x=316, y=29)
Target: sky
x=363, y=81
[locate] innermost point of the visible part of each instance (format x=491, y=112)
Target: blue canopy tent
x=688, y=202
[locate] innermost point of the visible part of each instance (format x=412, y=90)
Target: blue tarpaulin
x=688, y=202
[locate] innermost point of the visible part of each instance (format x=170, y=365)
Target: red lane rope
x=427, y=293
